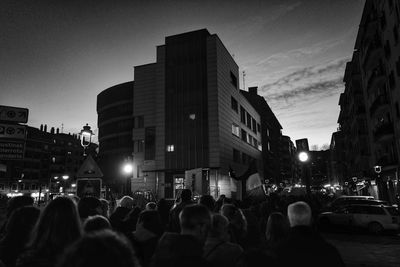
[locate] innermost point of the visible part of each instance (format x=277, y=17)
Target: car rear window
x=393, y=211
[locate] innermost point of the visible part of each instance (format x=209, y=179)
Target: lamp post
x=304, y=158
x=378, y=170
x=86, y=137
x=128, y=169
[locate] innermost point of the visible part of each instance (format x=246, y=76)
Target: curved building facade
x=115, y=123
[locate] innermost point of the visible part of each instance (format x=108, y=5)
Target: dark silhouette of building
x=337, y=157
x=319, y=165
x=115, y=123
x=289, y=167
x=271, y=136
x=191, y=123
x=369, y=116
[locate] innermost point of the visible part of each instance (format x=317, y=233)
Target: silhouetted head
x=17, y=202
x=96, y=223
x=105, y=207
x=126, y=202
x=58, y=226
x=186, y=195
x=89, y=206
x=151, y=206
x=101, y=249
x=219, y=228
x=299, y=213
x=207, y=201
x=195, y=220
x=21, y=223
x=150, y=220
x=277, y=227
x=235, y=216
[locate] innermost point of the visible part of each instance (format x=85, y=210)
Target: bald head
x=299, y=213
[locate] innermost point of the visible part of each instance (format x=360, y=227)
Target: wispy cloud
x=305, y=84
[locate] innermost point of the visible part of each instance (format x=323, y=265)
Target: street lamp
x=303, y=157
x=86, y=137
x=128, y=169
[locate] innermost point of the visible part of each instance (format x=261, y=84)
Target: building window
x=398, y=67
x=248, y=122
x=235, y=130
x=392, y=81
x=236, y=156
x=259, y=146
x=234, y=80
x=383, y=20
x=254, y=142
x=14, y=187
x=254, y=125
x=249, y=139
x=138, y=145
x=396, y=34
x=138, y=122
x=170, y=148
x=234, y=104
x=245, y=158
x=150, y=143
x=258, y=127
x=267, y=132
x=388, y=51
x=242, y=115
x=244, y=135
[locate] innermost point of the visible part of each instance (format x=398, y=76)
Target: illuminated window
x=170, y=148
x=235, y=130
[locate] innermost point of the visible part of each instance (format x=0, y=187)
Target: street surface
x=362, y=249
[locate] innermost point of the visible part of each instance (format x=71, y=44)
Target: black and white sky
x=56, y=56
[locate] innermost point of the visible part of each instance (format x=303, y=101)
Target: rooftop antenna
x=62, y=127
x=244, y=83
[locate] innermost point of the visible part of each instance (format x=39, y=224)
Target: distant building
x=271, y=137
x=319, y=165
x=48, y=157
x=289, y=168
x=370, y=115
x=337, y=172
x=115, y=123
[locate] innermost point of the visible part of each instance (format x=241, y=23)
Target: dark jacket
x=178, y=250
x=305, y=247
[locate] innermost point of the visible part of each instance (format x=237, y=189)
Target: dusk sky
x=56, y=56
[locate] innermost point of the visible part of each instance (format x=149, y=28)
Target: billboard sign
x=88, y=187
x=12, y=149
x=14, y=114
x=302, y=145
x=12, y=131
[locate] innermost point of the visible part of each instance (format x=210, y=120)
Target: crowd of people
x=75, y=232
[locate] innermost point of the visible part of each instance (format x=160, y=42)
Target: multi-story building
x=48, y=157
x=319, y=166
x=289, y=168
x=337, y=159
x=190, y=121
x=271, y=136
x=375, y=67
x=190, y=113
x=115, y=123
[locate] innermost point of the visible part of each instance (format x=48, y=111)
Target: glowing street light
x=86, y=137
x=128, y=168
x=303, y=156
x=65, y=177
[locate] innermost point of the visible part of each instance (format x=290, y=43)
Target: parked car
x=343, y=201
x=375, y=218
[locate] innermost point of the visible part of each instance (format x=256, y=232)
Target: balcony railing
x=380, y=101
x=383, y=130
